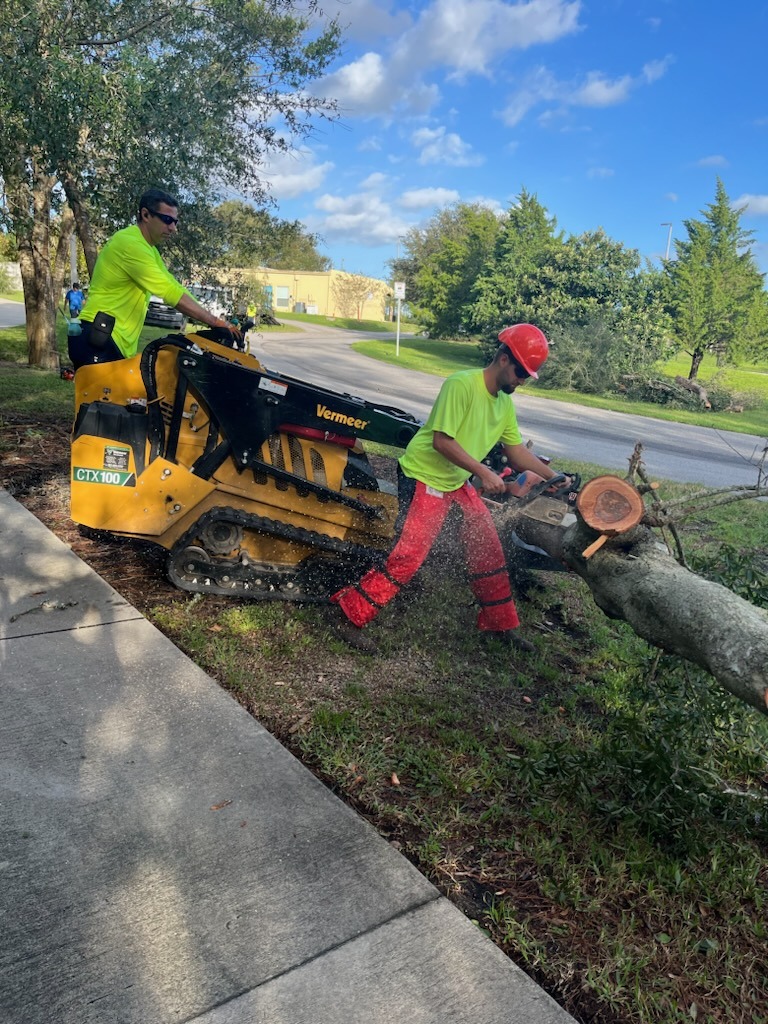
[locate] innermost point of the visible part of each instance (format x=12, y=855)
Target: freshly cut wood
x=611, y=506
x=634, y=578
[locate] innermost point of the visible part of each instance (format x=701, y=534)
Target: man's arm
x=190, y=308
x=451, y=450
x=522, y=458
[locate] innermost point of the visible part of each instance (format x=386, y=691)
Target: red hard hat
x=528, y=345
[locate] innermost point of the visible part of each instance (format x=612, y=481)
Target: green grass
x=442, y=358
x=347, y=323
x=13, y=296
x=570, y=801
x=25, y=391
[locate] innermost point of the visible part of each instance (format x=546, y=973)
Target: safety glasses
x=520, y=372
x=166, y=218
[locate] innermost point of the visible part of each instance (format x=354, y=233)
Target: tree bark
x=34, y=240
x=697, y=389
x=61, y=261
x=634, y=578
x=82, y=217
x=696, y=359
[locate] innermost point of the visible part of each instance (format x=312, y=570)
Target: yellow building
x=326, y=293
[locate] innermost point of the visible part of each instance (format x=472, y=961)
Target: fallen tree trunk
x=695, y=388
x=635, y=579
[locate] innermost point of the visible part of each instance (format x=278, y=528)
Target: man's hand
x=490, y=482
x=235, y=333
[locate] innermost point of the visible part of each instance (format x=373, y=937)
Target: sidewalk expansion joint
x=318, y=956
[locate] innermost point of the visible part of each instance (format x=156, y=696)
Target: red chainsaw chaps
x=489, y=580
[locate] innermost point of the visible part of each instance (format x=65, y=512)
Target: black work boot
x=346, y=631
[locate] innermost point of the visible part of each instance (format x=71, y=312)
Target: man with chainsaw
x=128, y=271
x=472, y=413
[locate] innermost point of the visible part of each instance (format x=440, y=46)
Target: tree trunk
x=82, y=218
x=61, y=261
x=698, y=355
x=33, y=233
x=634, y=578
x=697, y=389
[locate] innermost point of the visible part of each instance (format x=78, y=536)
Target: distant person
x=128, y=271
x=249, y=321
x=73, y=301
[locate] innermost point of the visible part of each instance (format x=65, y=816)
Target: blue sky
x=617, y=114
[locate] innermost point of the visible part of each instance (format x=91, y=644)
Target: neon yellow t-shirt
x=128, y=271
x=467, y=412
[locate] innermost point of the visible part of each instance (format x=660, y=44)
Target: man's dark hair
x=152, y=197
x=75, y=284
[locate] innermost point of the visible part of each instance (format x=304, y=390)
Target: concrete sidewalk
x=163, y=858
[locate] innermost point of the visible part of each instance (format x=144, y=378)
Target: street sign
x=399, y=289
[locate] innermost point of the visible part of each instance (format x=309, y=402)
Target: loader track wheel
x=191, y=568
x=221, y=537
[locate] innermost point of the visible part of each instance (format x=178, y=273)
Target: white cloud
x=362, y=218
x=424, y=198
x=374, y=180
x=439, y=146
x=361, y=87
x=599, y=91
x=672, y=196
x=757, y=206
x=294, y=173
x=454, y=37
x=595, y=90
x=367, y=21
x=467, y=37
x=491, y=204
x=656, y=69
x=716, y=160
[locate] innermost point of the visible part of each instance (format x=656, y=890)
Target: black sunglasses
x=166, y=218
x=520, y=372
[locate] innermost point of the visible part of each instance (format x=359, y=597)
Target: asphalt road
x=11, y=313
x=672, y=451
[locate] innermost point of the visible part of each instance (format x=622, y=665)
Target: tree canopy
x=717, y=293
x=101, y=99
x=608, y=315
x=256, y=238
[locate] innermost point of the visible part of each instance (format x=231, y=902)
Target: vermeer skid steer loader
x=256, y=484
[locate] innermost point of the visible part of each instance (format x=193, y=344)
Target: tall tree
x=716, y=289
x=104, y=97
x=456, y=247
x=442, y=261
x=350, y=292
x=525, y=244
x=255, y=238
x=589, y=293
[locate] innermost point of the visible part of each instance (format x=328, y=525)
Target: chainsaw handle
x=541, y=487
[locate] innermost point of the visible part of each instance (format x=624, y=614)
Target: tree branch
x=635, y=579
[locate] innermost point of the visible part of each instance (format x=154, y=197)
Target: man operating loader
x=472, y=413
x=128, y=271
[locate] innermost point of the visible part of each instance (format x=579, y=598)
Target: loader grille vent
x=274, y=453
x=318, y=467
x=297, y=457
